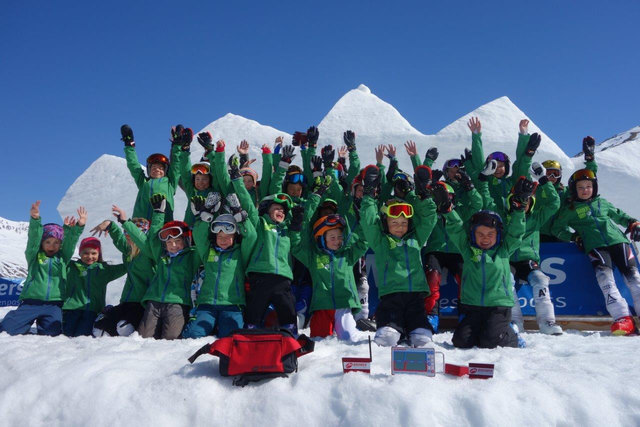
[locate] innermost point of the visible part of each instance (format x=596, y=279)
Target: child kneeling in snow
x=49, y=249
x=225, y=246
x=397, y=236
x=330, y=262
x=87, y=280
x=168, y=298
x=486, y=294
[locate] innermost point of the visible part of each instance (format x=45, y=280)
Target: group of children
x=288, y=249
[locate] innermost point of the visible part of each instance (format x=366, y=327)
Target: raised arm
x=34, y=236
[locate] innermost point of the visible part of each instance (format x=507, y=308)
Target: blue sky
x=73, y=72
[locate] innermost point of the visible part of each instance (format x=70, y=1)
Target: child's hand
x=69, y=221
x=410, y=146
x=343, y=152
x=391, y=149
x=243, y=148
x=102, y=228
x=220, y=146
x=380, y=153
x=119, y=213
x=524, y=126
x=82, y=216
x=35, y=210
x=474, y=125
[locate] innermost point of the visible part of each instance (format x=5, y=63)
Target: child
x=168, y=298
x=330, y=262
x=124, y=318
x=49, y=249
x=87, y=280
x=592, y=218
x=486, y=294
x=162, y=174
x=225, y=246
x=396, y=237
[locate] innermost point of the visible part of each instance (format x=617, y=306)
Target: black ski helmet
x=501, y=157
x=488, y=219
x=583, y=175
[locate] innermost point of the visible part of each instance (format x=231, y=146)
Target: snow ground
x=579, y=378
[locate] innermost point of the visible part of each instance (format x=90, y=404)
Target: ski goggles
x=170, y=233
x=499, y=156
x=552, y=164
x=283, y=198
x=452, y=163
x=583, y=174
x=225, y=227
x=141, y=223
x=488, y=219
x=554, y=173
x=202, y=168
x=395, y=210
x=296, y=178
x=400, y=176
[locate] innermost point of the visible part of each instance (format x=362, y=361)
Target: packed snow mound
x=105, y=183
x=364, y=113
x=622, y=138
x=500, y=119
x=233, y=129
x=13, y=243
x=135, y=381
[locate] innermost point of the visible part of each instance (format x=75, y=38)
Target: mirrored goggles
x=396, y=209
x=583, y=174
x=282, y=198
x=202, y=168
x=554, y=173
x=452, y=163
x=225, y=227
x=400, y=176
x=499, y=156
x=296, y=178
x=169, y=233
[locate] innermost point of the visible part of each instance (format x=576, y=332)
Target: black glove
x=588, y=148
x=521, y=193
x=299, y=139
x=465, y=180
x=575, y=238
x=533, y=144
x=349, y=138
x=466, y=157
x=423, y=179
x=297, y=217
x=432, y=153
x=539, y=173
x=238, y=213
x=158, y=202
x=127, y=136
x=206, y=140
x=244, y=159
x=436, y=174
x=186, y=138
x=287, y=155
x=393, y=168
x=402, y=185
x=197, y=204
x=634, y=230
x=371, y=180
x=234, y=167
x=441, y=198
x=328, y=154
x=312, y=136
x=320, y=185
x=176, y=135
x=316, y=162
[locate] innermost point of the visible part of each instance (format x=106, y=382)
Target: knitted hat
x=52, y=230
x=91, y=243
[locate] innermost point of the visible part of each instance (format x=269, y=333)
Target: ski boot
x=623, y=326
x=550, y=328
x=366, y=325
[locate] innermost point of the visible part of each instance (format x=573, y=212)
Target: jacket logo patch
x=476, y=254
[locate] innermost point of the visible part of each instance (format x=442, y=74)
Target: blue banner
x=573, y=286
x=10, y=289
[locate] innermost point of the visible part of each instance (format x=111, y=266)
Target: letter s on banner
x=556, y=275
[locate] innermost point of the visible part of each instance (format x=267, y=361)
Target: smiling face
x=201, y=181
x=156, y=170
x=398, y=227
x=51, y=246
x=500, y=170
x=486, y=237
x=552, y=174
x=89, y=255
x=584, y=189
x=248, y=182
x=333, y=239
x=276, y=212
x=451, y=173
x=174, y=245
x=224, y=240
x=358, y=191
x=294, y=190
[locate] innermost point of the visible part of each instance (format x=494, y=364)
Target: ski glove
x=489, y=169
x=588, y=148
x=287, y=156
x=299, y=139
x=328, y=154
x=371, y=180
x=349, y=138
x=436, y=174
x=127, y=136
x=634, y=230
x=466, y=157
x=297, y=217
x=185, y=139
x=234, y=167
x=521, y=193
x=432, y=154
x=423, y=179
x=393, y=168
x=206, y=140
x=465, y=180
x=320, y=185
x=312, y=136
x=539, y=173
x=316, y=162
x=176, y=135
x=533, y=144
x=197, y=204
x=158, y=202
x=441, y=198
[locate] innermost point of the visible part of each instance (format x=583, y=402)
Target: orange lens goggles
x=396, y=209
x=583, y=174
x=169, y=233
x=202, y=168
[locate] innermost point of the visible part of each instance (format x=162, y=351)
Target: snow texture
x=13, y=242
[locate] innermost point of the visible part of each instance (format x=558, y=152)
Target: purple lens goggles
x=451, y=163
x=499, y=156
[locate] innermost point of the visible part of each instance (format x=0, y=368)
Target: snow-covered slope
x=13, y=242
x=621, y=138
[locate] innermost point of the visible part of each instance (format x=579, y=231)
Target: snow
x=13, y=242
x=579, y=378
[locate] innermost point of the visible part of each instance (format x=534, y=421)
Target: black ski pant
x=265, y=289
x=131, y=312
x=402, y=311
x=485, y=327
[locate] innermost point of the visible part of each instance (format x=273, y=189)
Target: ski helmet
x=401, y=176
x=583, y=175
x=294, y=176
x=328, y=204
x=324, y=224
x=158, y=158
x=356, y=181
x=554, y=165
x=250, y=172
x=175, y=229
x=279, y=198
x=225, y=223
x=52, y=230
x=488, y=219
x=501, y=157
x=451, y=163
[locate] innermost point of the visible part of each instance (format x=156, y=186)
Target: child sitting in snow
x=162, y=174
x=225, y=246
x=87, y=280
x=168, y=298
x=49, y=249
x=124, y=318
x=397, y=236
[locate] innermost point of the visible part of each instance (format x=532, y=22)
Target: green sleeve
x=277, y=179
x=521, y=146
x=456, y=230
x=427, y=162
x=301, y=241
x=184, y=166
x=115, y=271
x=424, y=217
x=134, y=166
x=560, y=226
x=201, y=238
x=245, y=201
x=34, y=238
x=306, y=164
x=477, y=152
x=487, y=200
x=370, y=223
x=173, y=174
x=265, y=179
x=547, y=204
x=219, y=171
x=118, y=238
x=357, y=248
x=522, y=165
x=472, y=203
x=71, y=236
x=618, y=215
x=514, y=231
x=354, y=166
x=149, y=243
x=415, y=161
x=335, y=189
x=592, y=165
x=249, y=238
